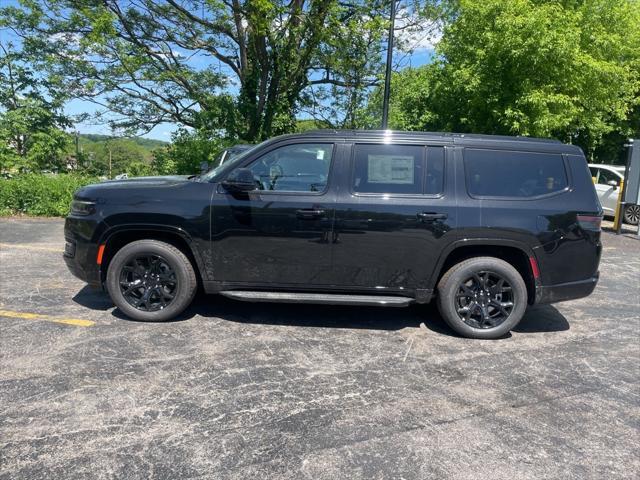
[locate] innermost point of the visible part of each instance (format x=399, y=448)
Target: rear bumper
x=566, y=291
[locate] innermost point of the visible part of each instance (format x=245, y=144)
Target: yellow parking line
x=30, y=247
x=48, y=318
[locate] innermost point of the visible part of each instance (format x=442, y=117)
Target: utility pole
x=387, y=76
x=109, y=149
x=620, y=207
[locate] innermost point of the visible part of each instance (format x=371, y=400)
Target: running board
x=323, y=298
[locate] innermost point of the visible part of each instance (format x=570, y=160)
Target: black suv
x=485, y=224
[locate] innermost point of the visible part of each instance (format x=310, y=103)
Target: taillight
x=590, y=222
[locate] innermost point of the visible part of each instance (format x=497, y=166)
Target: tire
x=472, y=322
x=632, y=214
x=158, y=268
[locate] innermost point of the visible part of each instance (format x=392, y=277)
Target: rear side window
x=434, y=183
x=398, y=169
x=506, y=173
x=388, y=169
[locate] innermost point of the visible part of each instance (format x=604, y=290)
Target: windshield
x=232, y=159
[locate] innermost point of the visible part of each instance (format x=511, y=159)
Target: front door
x=607, y=194
x=398, y=215
x=278, y=234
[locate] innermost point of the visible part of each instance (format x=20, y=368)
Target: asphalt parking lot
x=236, y=390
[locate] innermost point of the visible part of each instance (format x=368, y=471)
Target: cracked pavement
x=236, y=390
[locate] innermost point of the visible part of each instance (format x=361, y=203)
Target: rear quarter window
x=513, y=174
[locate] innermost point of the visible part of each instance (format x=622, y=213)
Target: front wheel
x=482, y=297
x=632, y=214
x=151, y=281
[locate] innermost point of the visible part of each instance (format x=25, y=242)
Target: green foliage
x=187, y=151
x=147, y=144
x=136, y=59
x=310, y=124
x=569, y=70
x=31, y=135
x=133, y=156
x=40, y=195
x=112, y=157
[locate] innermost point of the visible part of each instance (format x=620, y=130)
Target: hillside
x=147, y=144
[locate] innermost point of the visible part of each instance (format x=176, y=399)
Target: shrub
x=40, y=195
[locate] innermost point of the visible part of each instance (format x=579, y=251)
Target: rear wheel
x=482, y=297
x=632, y=214
x=150, y=280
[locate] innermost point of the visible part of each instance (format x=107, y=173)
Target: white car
x=607, y=182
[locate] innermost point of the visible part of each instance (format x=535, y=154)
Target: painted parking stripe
x=31, y=247
x=77, y=322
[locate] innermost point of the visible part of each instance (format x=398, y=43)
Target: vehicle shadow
x=542, y=318
x=93, y=298
x=305, y=315
x=537, y=319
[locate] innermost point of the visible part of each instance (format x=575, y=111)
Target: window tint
x=388, y=169
x=435, y=170
x=502, y=173
x=294, y=168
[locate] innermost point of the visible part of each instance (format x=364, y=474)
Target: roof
x=441, y=136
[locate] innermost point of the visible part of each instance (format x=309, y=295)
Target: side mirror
x=240, y=180
x=613, y=183
x=204, y=167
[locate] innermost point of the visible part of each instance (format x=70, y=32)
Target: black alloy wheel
x=482, y=297
x=151, y=281
x=148, y=282
x=484, y=300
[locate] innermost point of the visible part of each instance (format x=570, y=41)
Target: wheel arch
x=117, y=237
x=515, y=253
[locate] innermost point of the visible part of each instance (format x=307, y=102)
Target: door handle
x=309, y=213
x=431, y=216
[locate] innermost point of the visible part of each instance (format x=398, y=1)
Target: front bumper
x=566, y=291
x=80, y=256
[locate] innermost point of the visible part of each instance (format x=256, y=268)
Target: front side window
x=388, y=169
x=506, y=173
x=606, y=176
x=301, y=167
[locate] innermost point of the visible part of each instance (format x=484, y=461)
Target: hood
x=159, y=180
x=131, y=186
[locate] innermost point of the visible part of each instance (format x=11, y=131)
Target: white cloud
x=416, y=34
x=69, y=38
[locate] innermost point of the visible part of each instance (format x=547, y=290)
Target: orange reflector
x=534, y=268
x=100, y=253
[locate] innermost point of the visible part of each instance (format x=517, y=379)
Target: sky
x=420, y=48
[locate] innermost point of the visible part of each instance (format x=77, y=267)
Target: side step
x=324, y=298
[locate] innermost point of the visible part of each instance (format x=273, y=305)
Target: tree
x=114, y=156
x=257, y=60
x=187, y=151
x=566, y=69
x=31, y=135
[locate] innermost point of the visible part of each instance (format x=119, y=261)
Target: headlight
x=82, y=207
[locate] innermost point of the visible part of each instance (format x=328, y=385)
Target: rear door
x=278, y=234
x=395, y=213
